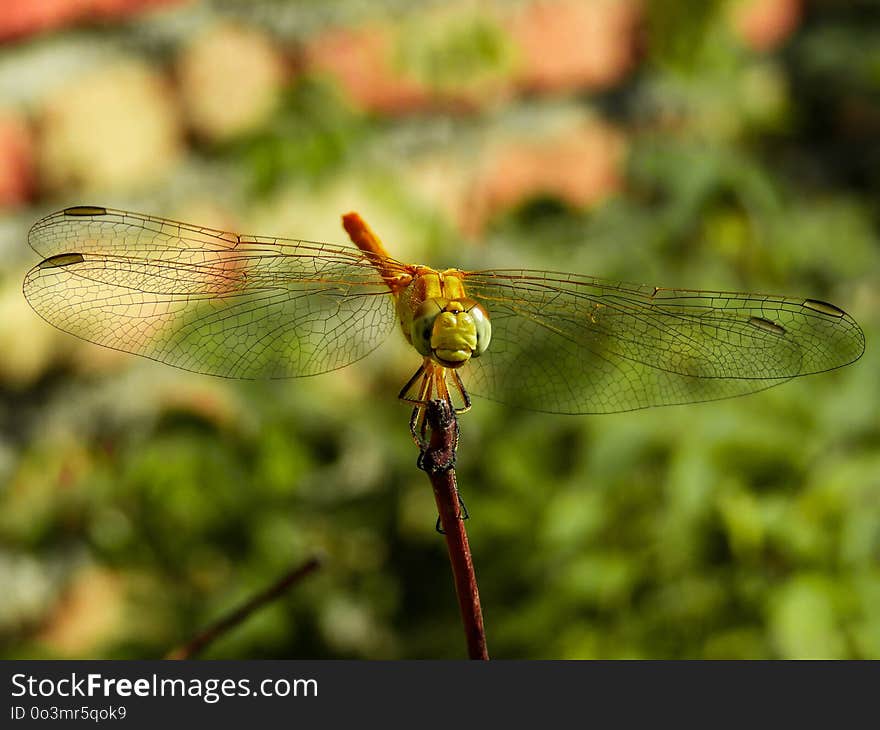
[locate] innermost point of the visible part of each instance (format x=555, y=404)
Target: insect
x=242, y=306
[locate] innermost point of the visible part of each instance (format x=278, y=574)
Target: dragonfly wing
x=572, y=344
x=204, y=300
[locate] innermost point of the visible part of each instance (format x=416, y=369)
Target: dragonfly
x=242, y=306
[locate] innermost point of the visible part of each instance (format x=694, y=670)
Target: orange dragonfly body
x=259, y=307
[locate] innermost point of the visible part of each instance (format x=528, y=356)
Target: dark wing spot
x=62, y=259
x=766, y=324
x=824, y=308
x=84, y=210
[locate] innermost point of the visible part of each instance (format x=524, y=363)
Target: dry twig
x=198, y=643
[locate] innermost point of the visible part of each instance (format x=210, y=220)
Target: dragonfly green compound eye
x=452, y=332
x=483, y=327
x=423, y=324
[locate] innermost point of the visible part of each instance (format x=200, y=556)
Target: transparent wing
x=574, y=344
x=205, y=300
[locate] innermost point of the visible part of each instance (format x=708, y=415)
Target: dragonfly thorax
x=450, y=332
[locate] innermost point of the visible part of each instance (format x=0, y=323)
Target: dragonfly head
x=451, y=331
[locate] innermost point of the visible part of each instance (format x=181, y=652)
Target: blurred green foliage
x=309, y=139
x=737, y=529
x=446, y=53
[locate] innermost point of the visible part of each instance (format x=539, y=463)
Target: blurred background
x=730, y=144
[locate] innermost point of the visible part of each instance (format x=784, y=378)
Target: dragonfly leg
x=430, y=383
x=427, y=384
x=463, y=515
x=418, y=423
x=418, y=426
x=459, y=386
x=418, y=377
x=444, y=395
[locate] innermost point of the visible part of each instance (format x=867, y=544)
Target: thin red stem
x=438, y=461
